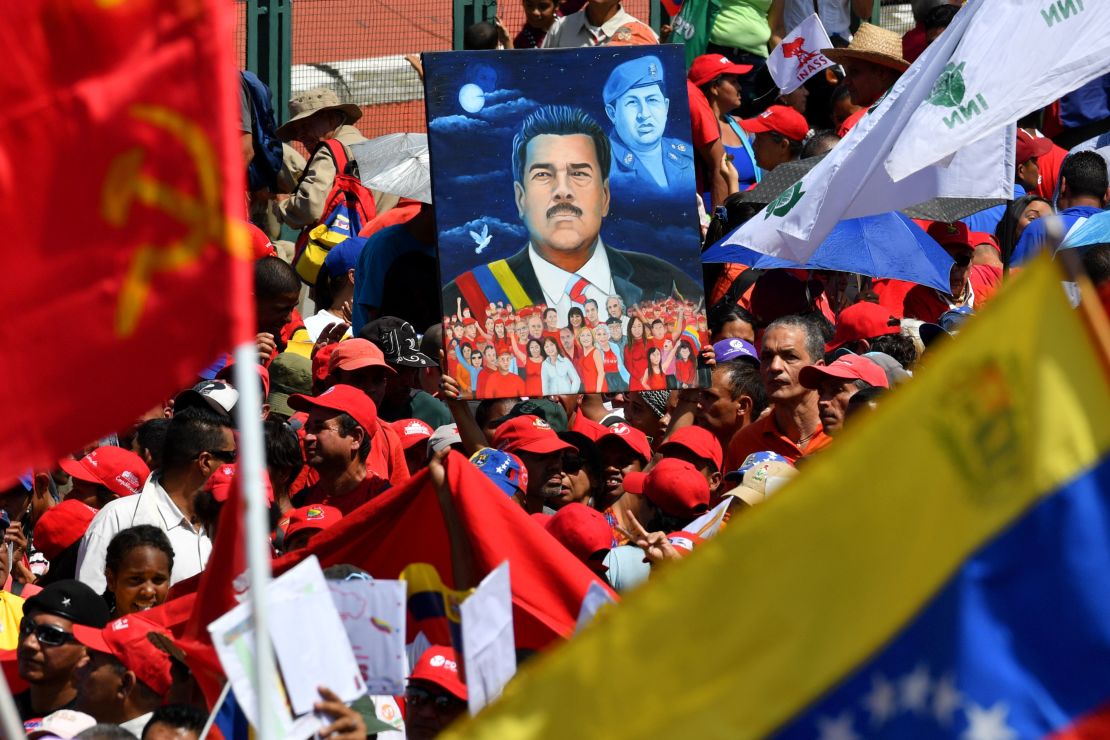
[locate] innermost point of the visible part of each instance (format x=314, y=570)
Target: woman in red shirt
x=590, y=364
x=635, y=353
x=685, y=367
x=533, y=369
x=654, y=378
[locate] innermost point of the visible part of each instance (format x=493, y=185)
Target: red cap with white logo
x=439, y=665
x=121, y=471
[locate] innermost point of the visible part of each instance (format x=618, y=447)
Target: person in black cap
x=48, y=653
x=404, y=398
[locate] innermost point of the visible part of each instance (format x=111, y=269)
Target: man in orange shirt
x=505, y=384
x=792, y=427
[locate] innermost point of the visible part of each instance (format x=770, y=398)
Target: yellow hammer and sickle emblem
x=125, y=183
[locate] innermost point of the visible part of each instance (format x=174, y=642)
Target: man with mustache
x=561, y=163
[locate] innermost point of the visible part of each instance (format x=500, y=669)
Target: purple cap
x=731, y=349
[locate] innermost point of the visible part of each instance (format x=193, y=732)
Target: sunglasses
x=48, y=635
x=418, y=697
x=572, y=464
x=963, y=259
x=227, y=456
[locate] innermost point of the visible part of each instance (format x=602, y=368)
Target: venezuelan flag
x=943, y=570
x=433, y=607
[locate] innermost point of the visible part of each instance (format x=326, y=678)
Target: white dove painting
x=481, y=239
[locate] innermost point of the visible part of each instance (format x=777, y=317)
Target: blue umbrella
x=1095, y=230
x=888, y=245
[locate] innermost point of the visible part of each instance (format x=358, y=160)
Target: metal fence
x=359, y=47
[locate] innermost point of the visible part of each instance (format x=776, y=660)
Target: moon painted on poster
x=471, y=98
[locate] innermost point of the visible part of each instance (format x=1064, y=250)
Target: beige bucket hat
x=873, y=44
x=311, y=102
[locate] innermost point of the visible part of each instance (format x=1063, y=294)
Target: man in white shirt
x=561, y=162
x=198, y=442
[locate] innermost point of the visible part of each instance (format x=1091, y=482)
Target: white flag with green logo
x=851, y=182
x=1016, y=56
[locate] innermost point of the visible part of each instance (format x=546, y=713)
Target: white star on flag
x=837, y=728
x=914, y=689
x=988, y=724
x=880, y=701
x=946, y=700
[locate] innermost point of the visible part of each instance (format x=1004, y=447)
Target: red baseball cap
x=355, y=354
x=847, y=367
x=709, y=66
x=411, y=431
x=219, y=483
x=674, y=485
x=121, y=471
x=950, y=234
x=583, y=531
x=320, y=362
x=979, y=238
x=62, y=526
x=316, y=516
x=341, y=398
x=782, y=119
x=633, y=438
x=261, y=246
x=697, y=440
x=1030, y=147
x=438, y=665
x=125, y=639
x=863, y=320
x=528, y=434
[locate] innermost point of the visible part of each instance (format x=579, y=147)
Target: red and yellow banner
x=121, y=187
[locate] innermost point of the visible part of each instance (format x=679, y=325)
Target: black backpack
x=267, y=162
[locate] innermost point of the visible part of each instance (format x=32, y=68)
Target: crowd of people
x=615, y=431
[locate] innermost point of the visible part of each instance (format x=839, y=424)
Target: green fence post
x=467, y=13
x=270, y=48
x=655, y=15
x=876, y=12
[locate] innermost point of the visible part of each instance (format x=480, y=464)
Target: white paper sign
x=373, y=613
x=489, y=648
x=317, y=656
x=709, y=524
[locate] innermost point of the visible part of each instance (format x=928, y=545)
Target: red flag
x=404, y=525
x=121, y=180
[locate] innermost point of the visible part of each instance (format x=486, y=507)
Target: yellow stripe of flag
x=512, y=287
x=796, y=593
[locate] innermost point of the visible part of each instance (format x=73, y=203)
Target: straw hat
x=311, y=102
x=872, y=44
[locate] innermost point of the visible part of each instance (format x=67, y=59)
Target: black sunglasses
x=572, y=464
x=48, y=635
x=417, y=697
x=227, y=456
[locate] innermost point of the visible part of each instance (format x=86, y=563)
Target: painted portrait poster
x=563, y=185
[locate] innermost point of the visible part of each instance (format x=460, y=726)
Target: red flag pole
x=252, y=463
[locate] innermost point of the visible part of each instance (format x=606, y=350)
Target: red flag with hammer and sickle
x=126, y=267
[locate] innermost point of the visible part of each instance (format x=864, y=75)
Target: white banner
x=489, y=652
x=799, y=55
x=1014, y=57
x=850, y=182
